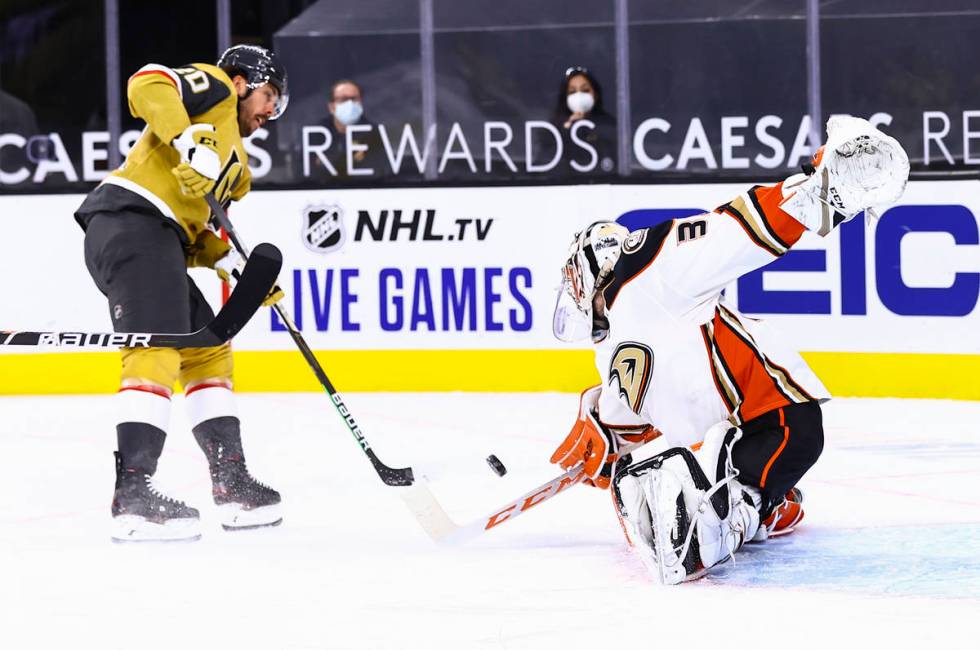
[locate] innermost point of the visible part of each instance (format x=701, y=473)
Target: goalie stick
x=390, y=475
x=441, y=528
x=258, y=278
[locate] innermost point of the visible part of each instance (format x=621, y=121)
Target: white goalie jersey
x=679, y=357
x=673, y=354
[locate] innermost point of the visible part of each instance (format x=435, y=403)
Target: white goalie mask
x=593, y=254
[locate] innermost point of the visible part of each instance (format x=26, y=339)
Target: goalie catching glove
x=210, y=251
x=858, y=169
x=200, y=164
x=593, y=444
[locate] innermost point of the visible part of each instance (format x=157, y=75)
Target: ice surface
x=889, y=554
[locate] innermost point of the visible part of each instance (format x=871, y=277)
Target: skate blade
x=132, y=528
x=234, y=517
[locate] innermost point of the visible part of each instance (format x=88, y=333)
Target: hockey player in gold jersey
x=145, y=224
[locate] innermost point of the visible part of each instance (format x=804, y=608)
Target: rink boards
x=452, y=289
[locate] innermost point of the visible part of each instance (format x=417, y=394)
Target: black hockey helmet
x=259, y=66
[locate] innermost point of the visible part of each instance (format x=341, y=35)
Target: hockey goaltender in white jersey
x=739, y=411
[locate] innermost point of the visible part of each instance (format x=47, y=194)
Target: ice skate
x=140, y=513
x=242, y=501
x=784, y=517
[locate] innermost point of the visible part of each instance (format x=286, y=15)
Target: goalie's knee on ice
x=803, y=433
x=778, y=448
x=158, y=366
x=808, y=420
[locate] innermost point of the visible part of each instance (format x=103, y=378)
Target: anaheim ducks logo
x=323, y=227
x=631, y=367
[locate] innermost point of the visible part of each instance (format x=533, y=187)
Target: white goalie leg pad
x=861, y=169
x=657, y=499
x=721, y=537
x=631, y=498
x=670, y=494
x=729, y=512
x=686, y=512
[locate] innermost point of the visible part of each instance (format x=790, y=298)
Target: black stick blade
x=256, y=281
x=391, y=475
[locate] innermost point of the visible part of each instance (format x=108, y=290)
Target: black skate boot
x=242, y=501
x=140, y=513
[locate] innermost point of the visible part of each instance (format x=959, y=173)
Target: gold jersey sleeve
x=169, y=100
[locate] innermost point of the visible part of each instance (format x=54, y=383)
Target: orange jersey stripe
x=709, y=349
x=760, y=394
x=766, y=201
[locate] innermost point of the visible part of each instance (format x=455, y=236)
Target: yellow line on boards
x=846, y=374
x=879, y=374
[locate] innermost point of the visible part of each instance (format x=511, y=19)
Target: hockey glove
x=859, y=169
x=210, y=251
x=206, y=250
x=589, y=443
x=200, y=164
x=229, y=269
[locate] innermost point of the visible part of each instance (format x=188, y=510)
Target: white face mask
x=580, y=102
x=348, y=112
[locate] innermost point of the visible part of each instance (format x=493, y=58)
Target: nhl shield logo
x=323, y=227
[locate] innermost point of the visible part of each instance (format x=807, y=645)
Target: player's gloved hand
x=275, y=295
x=229, y=266
x=206, y=250
x=200, y=164
x=589, y=443
x=229, y=269
x=858, y=169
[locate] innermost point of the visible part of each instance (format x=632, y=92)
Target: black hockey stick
x=390, y=475
x=258, y=278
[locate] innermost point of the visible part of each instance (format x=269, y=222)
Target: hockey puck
x=496, y=465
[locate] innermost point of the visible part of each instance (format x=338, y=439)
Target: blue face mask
x=348, y=112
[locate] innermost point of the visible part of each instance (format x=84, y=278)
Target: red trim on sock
x=207, y=384
x=147, y=388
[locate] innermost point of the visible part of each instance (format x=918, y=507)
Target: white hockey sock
x=144, y=403
x=209, y=399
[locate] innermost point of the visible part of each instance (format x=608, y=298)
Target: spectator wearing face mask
x=352, y=131
x=588, y=130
